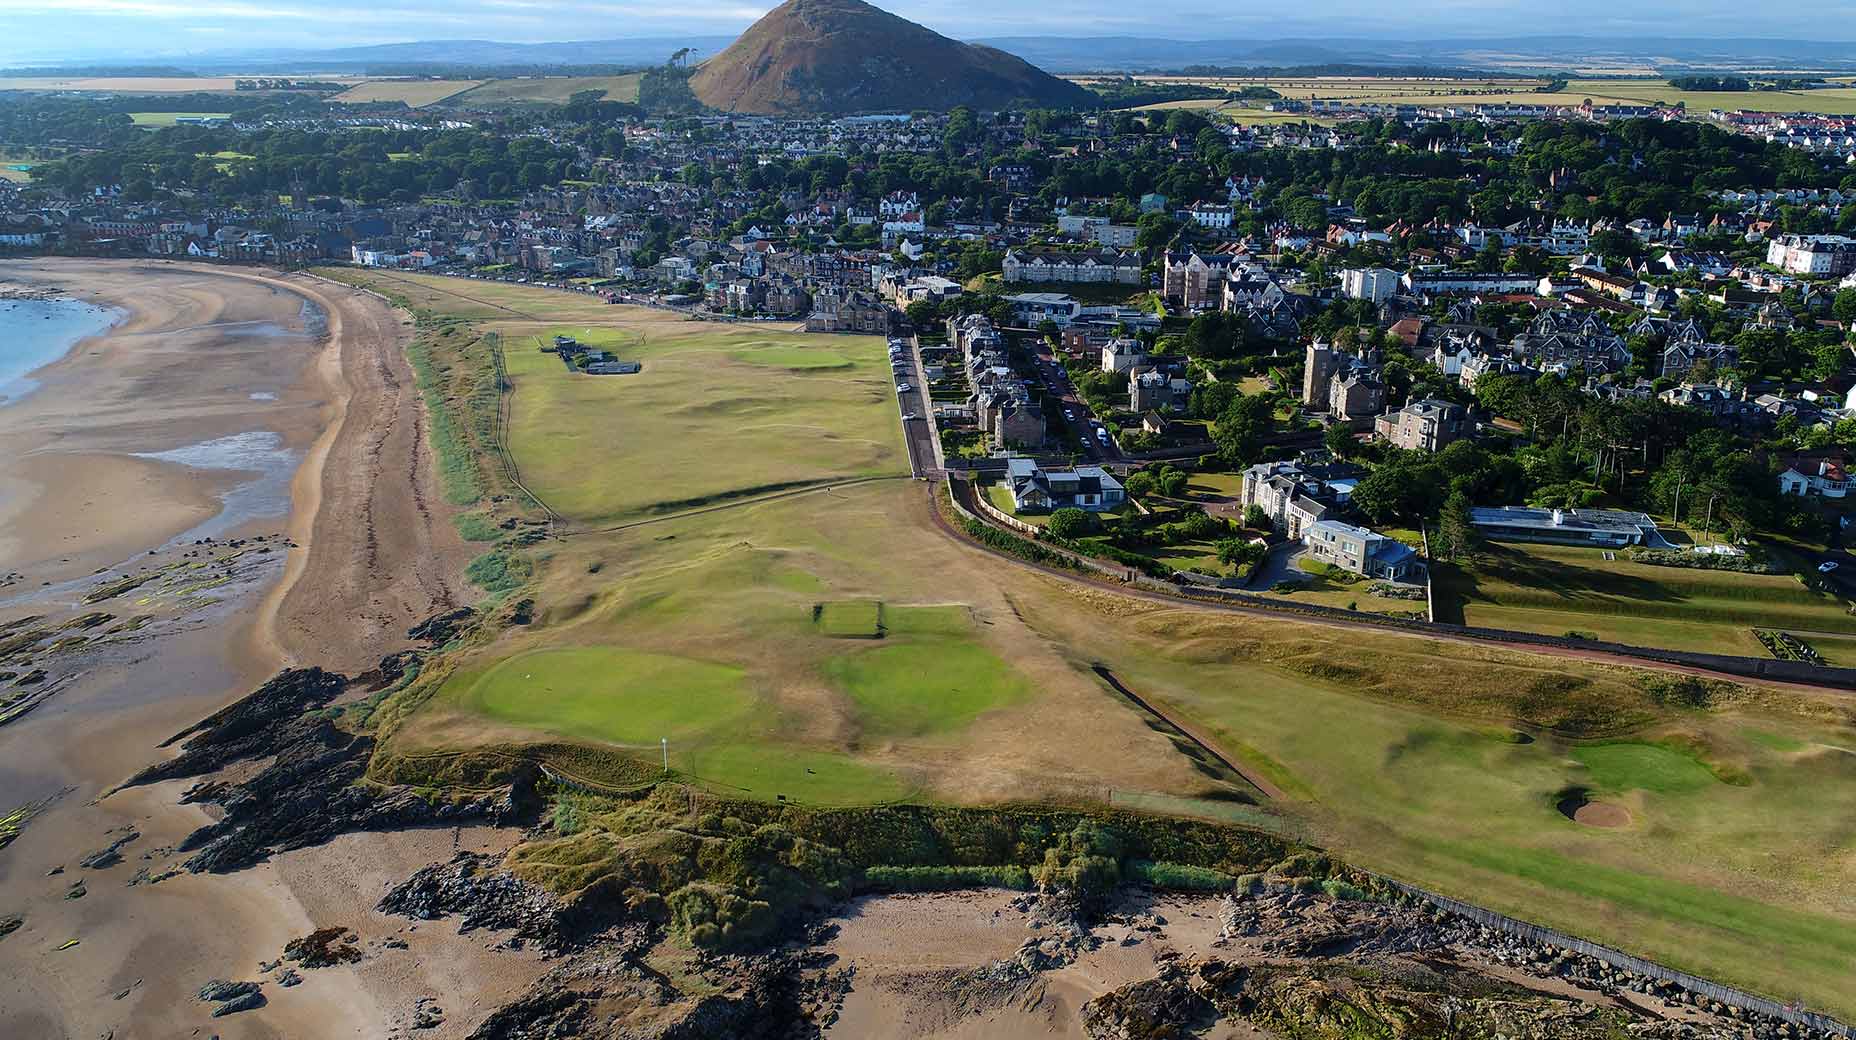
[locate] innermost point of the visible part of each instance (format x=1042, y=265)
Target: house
x=1361, y=551
x=1292, y=496
x=1603, y=528
x=1150, y=389
x=1122, y=354
x=1095, y=266
x=1030, y=310
x=1822, y=255
x=1377, y=284
x=1825, y=474
x=1429, y=425
x=1038, y=490
x=1210, y=215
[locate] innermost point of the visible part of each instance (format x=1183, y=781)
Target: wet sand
x=315, y=373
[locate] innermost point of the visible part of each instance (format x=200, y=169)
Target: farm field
x=416, y=93
x=1839, y=100
x=1693, y=822
x=1723, y=865
x=549, y=90
x=1559, y=589
x=161, y=119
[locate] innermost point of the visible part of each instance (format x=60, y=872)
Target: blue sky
x=167, y=27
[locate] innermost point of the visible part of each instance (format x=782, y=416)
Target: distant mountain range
x=1063, y=54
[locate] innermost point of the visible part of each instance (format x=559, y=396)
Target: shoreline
x=194, y=357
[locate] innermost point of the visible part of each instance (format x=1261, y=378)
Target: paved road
x=917, y=409
x=1078, y=417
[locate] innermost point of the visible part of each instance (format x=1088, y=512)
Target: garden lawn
x=1559, y=589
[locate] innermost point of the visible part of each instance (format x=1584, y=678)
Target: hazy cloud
x=92, y=28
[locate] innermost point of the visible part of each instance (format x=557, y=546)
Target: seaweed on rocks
x=439, y=628
x=247, y=728
x=308, y=792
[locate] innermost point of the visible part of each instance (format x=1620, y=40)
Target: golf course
x=741, y=573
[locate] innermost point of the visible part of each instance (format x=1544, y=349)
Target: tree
x=1239, y=553
x=1139, y=484
x=1456, y=534
x=1240, y=430
x=1255, y=518
x=1070, y=522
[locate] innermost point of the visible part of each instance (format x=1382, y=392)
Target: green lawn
x=928, y=676
x=1001, y=498
x=1557, y=589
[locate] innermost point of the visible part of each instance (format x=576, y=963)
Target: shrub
x=1336, y=888
x=940, y=879
x=1179, y=876
x=714, y=917
x=1070, y=522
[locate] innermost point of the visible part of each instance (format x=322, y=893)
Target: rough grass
x=1401, y=755
x=416, y=93
x=550, y=90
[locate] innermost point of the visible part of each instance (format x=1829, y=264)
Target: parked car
x=1827, y=566
x=905, y=388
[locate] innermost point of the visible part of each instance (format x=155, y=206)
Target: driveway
x=1279, y=565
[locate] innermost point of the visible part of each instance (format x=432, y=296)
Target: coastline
x=200, y=354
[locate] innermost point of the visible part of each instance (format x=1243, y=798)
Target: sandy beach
x=236, y=404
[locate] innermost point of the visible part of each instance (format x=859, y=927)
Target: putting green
x=928, y=676
x=1646, y=767
x=611, y=694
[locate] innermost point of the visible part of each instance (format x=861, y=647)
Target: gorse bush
x=1179, y=877
x=941, y=879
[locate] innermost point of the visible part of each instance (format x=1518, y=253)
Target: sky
x=154, y=28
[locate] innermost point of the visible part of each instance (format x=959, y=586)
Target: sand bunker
x=1579, y=808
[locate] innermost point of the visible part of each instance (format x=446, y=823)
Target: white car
x=909, y=417
x=1102, y=435
x=905, y=388
x=1827, y=566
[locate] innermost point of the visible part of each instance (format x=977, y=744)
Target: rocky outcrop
x=307, y=793
x=480, y=896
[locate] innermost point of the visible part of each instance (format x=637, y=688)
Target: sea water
x=265, y=493
x=35, y=333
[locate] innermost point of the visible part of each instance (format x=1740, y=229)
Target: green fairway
x=719, y=412
x=611, y=694
x=1726, y=880
x=161, y=119
x=927, y=677
x=1643, y=767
